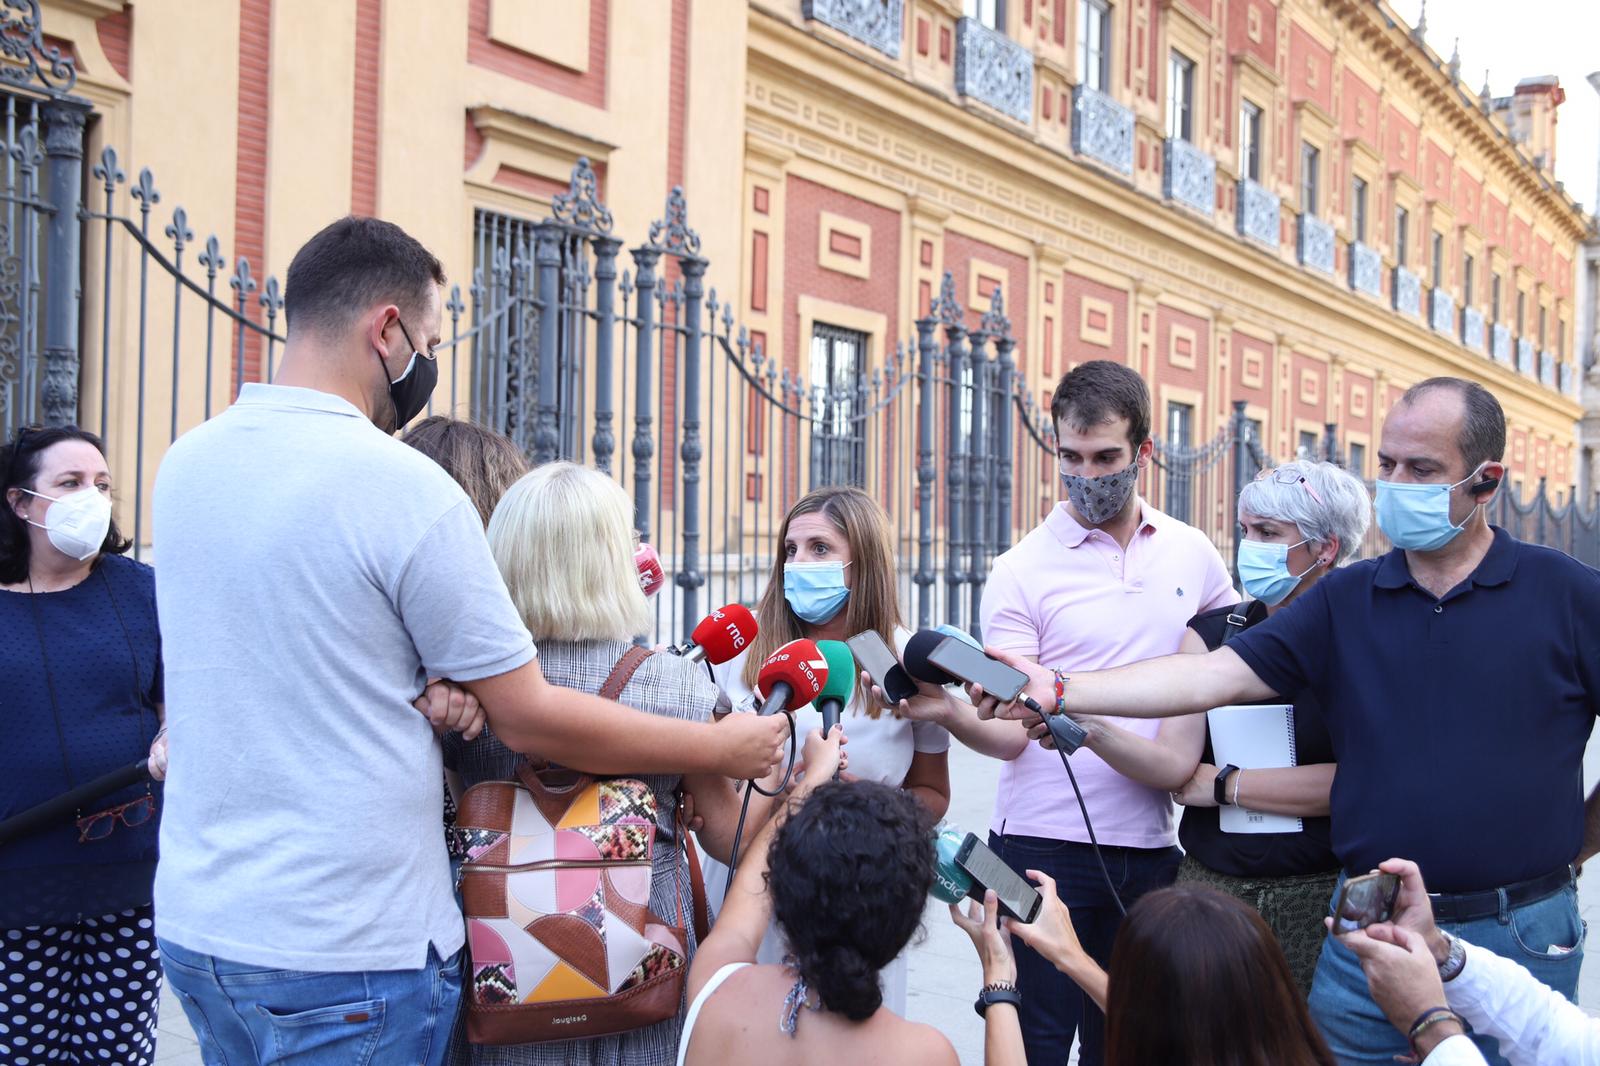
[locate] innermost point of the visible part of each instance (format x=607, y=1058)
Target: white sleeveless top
x=700, y=1001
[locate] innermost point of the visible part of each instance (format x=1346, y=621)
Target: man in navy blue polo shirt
x=1460, y=677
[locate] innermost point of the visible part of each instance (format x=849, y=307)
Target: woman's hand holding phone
x=981, y=923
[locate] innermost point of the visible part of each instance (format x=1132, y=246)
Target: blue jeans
x=1053, y=1008
x=255, y=1016
x=1358, y=1033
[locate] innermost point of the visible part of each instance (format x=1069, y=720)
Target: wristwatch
x=1000, y=992
x=1454, y=962
x=1219, y=787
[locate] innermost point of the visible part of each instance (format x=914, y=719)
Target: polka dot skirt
x=80, y=993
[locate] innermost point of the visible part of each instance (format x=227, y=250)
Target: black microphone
x=916, y=663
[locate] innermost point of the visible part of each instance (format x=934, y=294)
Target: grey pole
x=63, y=147
x=927, y=347
x=689, y=576
x=644, y=261
x=605, y=276
x=547, y=260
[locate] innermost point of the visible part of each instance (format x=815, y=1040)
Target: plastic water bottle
x=950, y=882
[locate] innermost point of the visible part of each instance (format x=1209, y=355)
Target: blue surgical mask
x=1264, y=570
x=1417, y=517
x=815, y=591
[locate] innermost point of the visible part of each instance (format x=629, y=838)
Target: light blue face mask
x=1264, y=570
x=815, y=591
x=1417, y=517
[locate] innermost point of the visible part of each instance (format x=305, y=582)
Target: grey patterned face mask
x=1099, y=499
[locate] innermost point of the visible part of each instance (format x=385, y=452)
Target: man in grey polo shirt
x=314, y=573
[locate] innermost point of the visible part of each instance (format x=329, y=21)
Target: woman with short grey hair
x=1296, y=522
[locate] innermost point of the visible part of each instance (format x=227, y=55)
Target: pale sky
x=1520, y=40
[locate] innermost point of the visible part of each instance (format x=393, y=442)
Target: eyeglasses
x=132, y=814
x=1289, y=477
x=407, y=335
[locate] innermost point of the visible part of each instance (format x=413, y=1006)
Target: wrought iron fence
x=629, y=362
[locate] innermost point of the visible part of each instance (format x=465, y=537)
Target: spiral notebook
x=1254, y=737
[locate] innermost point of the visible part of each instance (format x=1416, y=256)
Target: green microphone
x=841, y=684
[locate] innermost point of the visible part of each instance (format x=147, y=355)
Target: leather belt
x=1470, y=906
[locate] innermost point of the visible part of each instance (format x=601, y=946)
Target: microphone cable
x=744, y=808
x=1104, y=872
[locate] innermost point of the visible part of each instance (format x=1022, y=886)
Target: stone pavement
x=944, y=975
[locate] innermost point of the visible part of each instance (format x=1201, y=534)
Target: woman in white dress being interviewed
x=833, y=577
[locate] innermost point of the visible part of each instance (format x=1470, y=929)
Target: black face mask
x=410, y=391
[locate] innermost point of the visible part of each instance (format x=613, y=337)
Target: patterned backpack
x=561, y=940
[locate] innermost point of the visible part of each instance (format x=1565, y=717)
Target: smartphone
x=874, y=656
x=971, y=665
x=1018, y=899
x=1366, y=900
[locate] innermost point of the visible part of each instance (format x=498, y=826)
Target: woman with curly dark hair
x=845, y=871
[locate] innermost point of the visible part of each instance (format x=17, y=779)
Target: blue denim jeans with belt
x=247, y=1015
x=1545, y=936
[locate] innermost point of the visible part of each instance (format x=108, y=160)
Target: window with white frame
x=1358, y=210
x=1180, y=96
x=1438, y=259
x=1094, y=44
x=1402, y=236
x=1310, y=177
x=992, y=13
x=1249, y=140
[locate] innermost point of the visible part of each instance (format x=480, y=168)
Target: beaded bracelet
x=1429, y=1018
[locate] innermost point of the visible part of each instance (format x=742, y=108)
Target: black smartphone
x=874, y=656
x=971, y=665
x=1018, y=899
x=1366, y=900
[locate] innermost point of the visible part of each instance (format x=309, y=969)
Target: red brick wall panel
x=588, y=87
x=804, y=202
x=1310, y=70
x=250, y=170
x=959, y=251
x=364, y=134
x=1239, y=30
x=1361, y=109
x=1401, y=151
x=1075, y=349
x=116, y=40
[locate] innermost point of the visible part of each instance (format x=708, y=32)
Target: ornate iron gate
x=40, y=237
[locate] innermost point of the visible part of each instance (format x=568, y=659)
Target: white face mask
x=76, y=523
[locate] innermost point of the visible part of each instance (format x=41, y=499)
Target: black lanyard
x=49, y=682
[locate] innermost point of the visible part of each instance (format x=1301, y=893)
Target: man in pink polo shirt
x=1105, y=580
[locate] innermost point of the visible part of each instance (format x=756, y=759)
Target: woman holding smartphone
x=833, y=577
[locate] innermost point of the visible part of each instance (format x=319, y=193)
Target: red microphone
x=719, y=636
x=648, y=563
x=791, y=677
